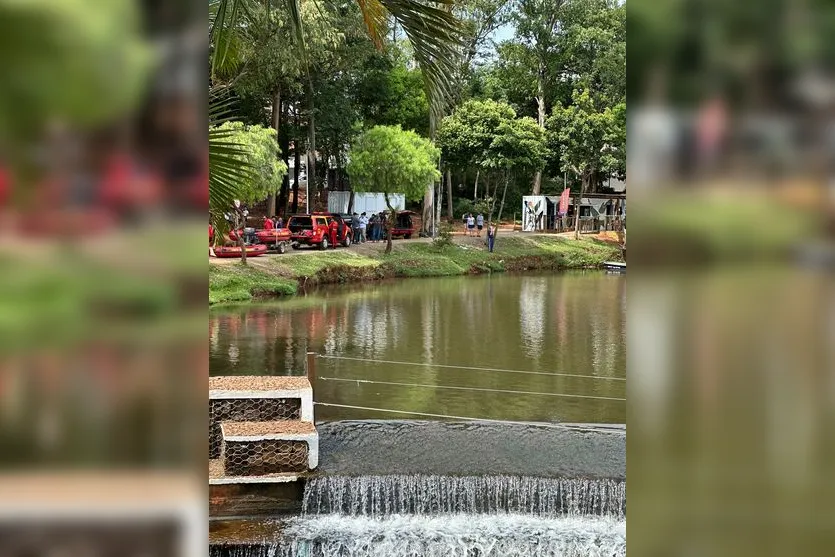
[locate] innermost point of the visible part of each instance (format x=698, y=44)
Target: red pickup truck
x=315, y=230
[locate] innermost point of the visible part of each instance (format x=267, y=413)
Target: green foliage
x=444, y=237
x=590, y=141
x=467, y=135
x=70, y=61
x=259, y=150
x=389, y=93
x=518, y=144
x=387, y=159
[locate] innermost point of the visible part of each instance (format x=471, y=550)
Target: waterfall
x=449, y=516
x=505, y=535
x=429, y=495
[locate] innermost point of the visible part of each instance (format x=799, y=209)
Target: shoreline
x=279, y=276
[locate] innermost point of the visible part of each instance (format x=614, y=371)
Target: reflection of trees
x=532, y=308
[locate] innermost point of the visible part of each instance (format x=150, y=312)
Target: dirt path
x=372, y=249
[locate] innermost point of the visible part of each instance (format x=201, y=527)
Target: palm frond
x=438, y=39
x=227, y=170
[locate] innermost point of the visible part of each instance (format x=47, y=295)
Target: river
x=505, y=347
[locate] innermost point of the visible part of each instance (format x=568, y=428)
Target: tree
x=261, y=148
x=389, y=160
x=466, y=135
x=258, y=150
x=591, y=141
x=537, y=28
x=519, y=144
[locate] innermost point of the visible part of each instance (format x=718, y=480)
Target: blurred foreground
x=731, y=300
x=103, y=356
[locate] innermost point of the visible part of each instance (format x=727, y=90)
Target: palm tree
x=435, y=34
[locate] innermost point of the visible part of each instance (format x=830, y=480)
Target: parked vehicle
x=404, y=225
x=314, y=230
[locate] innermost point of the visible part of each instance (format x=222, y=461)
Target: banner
x=566, y=193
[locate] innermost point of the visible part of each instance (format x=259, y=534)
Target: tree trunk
x=391, y=223
x=428, y=202
x=284, y=143
x=351, y=202
x=577, y=206
x=311, y=146
x=271, y=201
x=297, y=161
x=540, y=119
x=449, y=193
x=239, y=228
x=504, y=193
x=475, y=189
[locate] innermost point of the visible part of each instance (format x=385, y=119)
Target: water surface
x=552, y=346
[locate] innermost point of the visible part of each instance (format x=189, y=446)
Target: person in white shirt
x=363, y=226
x=470, y=225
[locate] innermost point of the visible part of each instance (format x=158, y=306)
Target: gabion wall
x=262, y=457
x=248, y=410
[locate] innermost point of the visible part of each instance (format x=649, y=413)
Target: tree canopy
x=388, y=159
x=259, y=150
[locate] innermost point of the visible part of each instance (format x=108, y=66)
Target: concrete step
x=256, y=399
x=264, y=448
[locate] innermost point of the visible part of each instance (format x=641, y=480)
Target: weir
x=405, y=488
x=427, y=495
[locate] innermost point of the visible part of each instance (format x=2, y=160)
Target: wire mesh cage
x=264, y=456
x=247, y=410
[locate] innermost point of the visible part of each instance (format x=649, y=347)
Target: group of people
x=365, y=228
x=473, y=225
x=273, y=223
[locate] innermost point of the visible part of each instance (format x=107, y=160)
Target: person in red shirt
x=268, y=223
x=333, y=229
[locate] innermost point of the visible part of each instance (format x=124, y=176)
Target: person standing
x=279, y=222
x=479, y=223
x=363, y=227
x=491, y=237
x=376, y=226
x=268, y=223
x=355, y=227
x=470, y=225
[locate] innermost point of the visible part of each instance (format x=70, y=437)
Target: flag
x=564, y=201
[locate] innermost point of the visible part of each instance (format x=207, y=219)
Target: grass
x=236, y=283
x=281, y=276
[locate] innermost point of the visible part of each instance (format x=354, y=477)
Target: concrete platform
x=264, y=387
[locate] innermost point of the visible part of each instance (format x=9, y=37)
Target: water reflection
x=569, y=323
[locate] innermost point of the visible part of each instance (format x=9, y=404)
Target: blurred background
x=103, y=352
x=731, y=316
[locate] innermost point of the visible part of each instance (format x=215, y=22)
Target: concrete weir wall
x=383, y=447
x=443, y=449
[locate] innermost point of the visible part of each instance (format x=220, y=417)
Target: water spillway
x=399, y=489
x=427, y=495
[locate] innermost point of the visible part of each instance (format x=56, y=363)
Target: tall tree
x=590, y=139
x=391, y=160
x=537, y=29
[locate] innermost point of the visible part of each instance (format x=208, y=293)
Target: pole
x=311, y=367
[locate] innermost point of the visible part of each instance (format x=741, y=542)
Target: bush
x=444, y=238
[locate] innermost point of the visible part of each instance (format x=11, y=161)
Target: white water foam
x=459, y=535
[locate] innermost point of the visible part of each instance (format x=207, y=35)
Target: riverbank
x=284, y=275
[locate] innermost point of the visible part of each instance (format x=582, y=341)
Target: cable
x=466, y=388
x=473, y=368
x=539, y=424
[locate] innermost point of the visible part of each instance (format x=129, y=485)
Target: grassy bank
x=282, y=275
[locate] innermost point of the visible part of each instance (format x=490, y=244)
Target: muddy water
x=549, y=347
